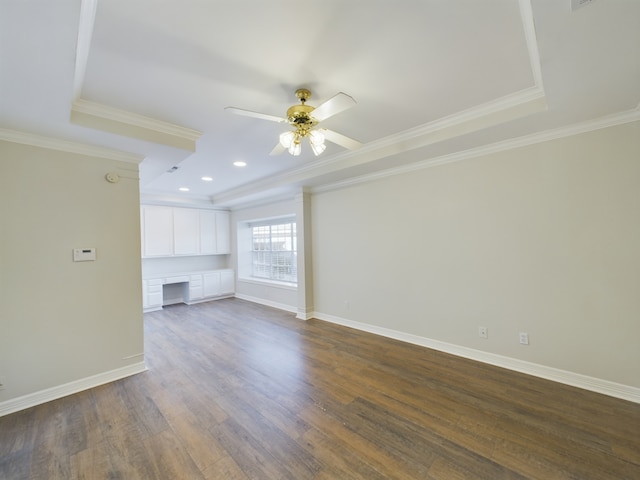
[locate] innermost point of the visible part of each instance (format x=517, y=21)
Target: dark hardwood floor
x=241, y=391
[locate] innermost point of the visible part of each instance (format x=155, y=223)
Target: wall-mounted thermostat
x=84, y=254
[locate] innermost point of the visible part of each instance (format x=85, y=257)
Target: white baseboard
x=59, y=391
x=304, y=315
x=208, y=299
x=585, y=382
x=268, y=303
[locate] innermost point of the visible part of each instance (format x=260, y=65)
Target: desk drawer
x=178, y=279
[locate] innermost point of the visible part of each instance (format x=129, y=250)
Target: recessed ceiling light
x=240, y=164
x=207, y=179
x=183, y=189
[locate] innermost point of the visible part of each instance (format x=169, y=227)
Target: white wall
x=543, y=239
x=60, y=321
x=280, y=296
x=155, y=266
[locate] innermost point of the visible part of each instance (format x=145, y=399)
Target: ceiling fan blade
x=336, y=104
x=277, y=150
x=339, y=139
x=249, y=113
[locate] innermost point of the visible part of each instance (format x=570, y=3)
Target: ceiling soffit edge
x=85, y=32
x=529, y=28
x=262, y=200
x=613, y=120
x=518, y=104
x=507, y=108
x=34, y=140
x=200, y=201
x=103, y=117
x=110, y=119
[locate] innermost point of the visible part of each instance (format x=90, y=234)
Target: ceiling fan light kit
x=300, y=117
x=291, y=141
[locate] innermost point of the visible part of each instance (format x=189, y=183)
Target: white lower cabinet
x=152, y=294
x=227, y=282
x=211, y=283
x=195, y=287
x=219, y=282
x=198, y=287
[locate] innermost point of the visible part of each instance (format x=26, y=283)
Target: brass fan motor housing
x=300, y=115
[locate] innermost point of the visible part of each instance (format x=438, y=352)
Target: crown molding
x=122, y=122
x=529, y=28
x=111, y=119
x=509, y=107
x=613, y=120
x=521, y=103
x=111, y=113
x=268, y=198
x=161, y=198
x=34, y=140
x=85, y=32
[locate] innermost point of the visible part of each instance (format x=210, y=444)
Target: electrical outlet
x=483, y=332
x=524, y=338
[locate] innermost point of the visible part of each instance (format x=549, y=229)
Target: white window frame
x=277, y=260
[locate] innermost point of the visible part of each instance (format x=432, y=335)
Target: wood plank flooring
x=236, y=390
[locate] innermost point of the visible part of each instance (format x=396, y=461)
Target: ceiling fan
x=305, y=119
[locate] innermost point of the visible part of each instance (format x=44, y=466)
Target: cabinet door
x=223, y=233
x=207, y=232
x=157, y=224
x=211, y=284
x=195, y=287
x=227, y=282
x=186, y=231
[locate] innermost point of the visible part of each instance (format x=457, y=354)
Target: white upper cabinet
x=208, y=232
x=186, y=231
x=169, y=231
x=223, y=236
x=157, y=225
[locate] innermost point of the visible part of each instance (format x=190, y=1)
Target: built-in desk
x=189, y=287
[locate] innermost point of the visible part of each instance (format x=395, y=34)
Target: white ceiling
x=431, y=78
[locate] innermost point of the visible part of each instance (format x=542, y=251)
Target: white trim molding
x=510, y=107
x=607, y=121
x=304, y=314
x=612, y=389
x=34, y=140
x=267, y=303
x=85, y=33
x=529, y=27
x=59, y=391
x=129, y=124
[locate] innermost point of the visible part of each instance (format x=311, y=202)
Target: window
x=273, y=252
